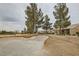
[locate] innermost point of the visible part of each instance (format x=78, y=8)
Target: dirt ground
x=62, y=45
x=39, y=45
x=18, y=35
x=22, y=46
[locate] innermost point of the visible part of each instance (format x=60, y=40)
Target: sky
x=12, y=16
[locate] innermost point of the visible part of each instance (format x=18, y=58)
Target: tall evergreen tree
x=24, y=30
x=46, y=24
x=39, y=22
x=33, y=18
x=61, y=16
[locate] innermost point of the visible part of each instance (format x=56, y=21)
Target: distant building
x=71, y=30
x=74, y=29
x=50, y=31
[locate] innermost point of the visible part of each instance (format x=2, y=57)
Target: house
x=74, y=29
x=63, y=31
x=70, y=30
x=50, y=31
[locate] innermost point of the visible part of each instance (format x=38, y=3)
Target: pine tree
x=61, y=16
x=24, y=30
x=34, y=16
x=40, y=20
x=46, y=24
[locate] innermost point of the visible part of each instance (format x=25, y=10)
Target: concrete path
x=20, y=46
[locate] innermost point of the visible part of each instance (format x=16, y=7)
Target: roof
x=73, y=25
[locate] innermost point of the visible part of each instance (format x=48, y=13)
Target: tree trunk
x=60, y=31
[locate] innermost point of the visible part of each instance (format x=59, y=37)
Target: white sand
x=22, y=46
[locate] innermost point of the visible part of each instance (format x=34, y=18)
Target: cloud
x=8, y=19
x=12, y=15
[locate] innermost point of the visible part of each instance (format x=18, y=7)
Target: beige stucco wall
x=77, y=29
x=74, y=30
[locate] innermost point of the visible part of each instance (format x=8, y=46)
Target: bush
x=77, y=33
x=6, y=32
x=73, y=34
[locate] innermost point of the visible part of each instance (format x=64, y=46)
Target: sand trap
x=62, y=45
x=22, y=46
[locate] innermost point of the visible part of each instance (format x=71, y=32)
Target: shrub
x=77, y=33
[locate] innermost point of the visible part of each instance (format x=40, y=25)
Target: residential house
x=70, y=30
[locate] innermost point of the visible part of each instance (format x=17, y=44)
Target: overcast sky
x=12, y=16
